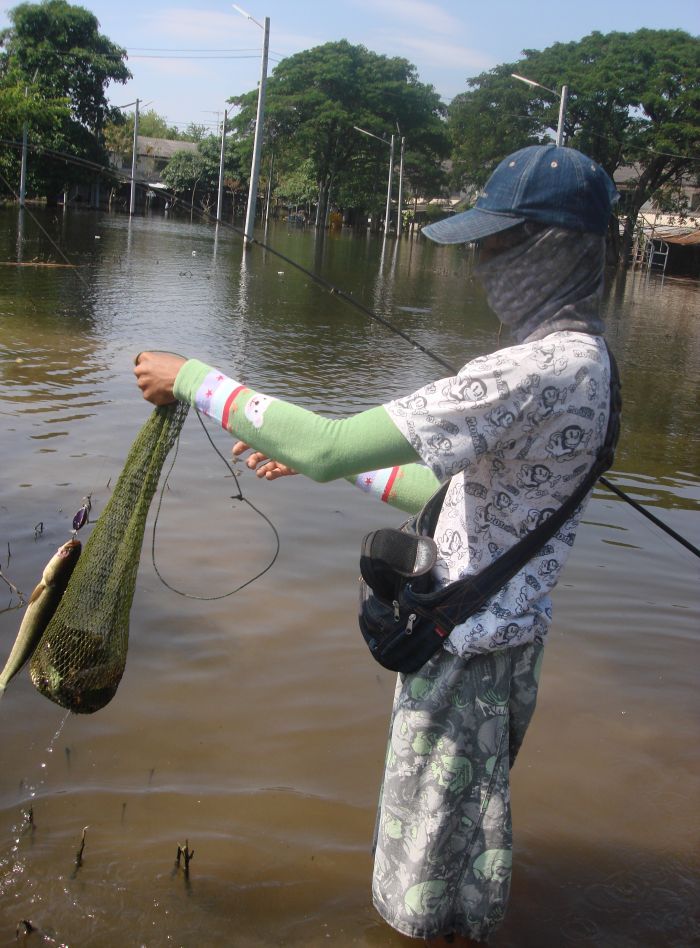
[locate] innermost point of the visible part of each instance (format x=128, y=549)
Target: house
x=152, y=155
x=669, y=243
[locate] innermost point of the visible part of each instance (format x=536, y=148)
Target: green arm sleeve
x=407, y=487
x=321, y=448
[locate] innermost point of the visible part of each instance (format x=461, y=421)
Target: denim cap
x=557, y=187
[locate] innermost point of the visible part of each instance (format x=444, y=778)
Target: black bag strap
x=457, y=601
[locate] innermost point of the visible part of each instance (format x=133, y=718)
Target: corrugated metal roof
x=162, y=147
x=677, y=235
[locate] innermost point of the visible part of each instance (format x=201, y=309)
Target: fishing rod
x=335, y=291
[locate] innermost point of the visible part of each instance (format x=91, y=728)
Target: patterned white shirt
x=515, y=431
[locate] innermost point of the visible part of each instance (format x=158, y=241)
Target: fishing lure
x=83, y=515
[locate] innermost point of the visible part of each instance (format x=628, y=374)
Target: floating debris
x=79, y=854
x=187, y=853
x=28, y=824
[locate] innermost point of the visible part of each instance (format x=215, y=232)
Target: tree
x=298, y=186
x=187, y=170
x=57, y=50
x=316, y=97
x=634, y=99
x=184, y=172
x=193, y=133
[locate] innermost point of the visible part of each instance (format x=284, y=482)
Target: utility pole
x=220, y=201
x=23, y=171
x=257, y=144
x=134, y=150
x=25, y=132
x=399, y=219
x=269, y=186
x=387, y=216
x=562, y=112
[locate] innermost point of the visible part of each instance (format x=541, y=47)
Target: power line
x=196, y=56
x=167, y=49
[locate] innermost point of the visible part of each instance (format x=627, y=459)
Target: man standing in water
x=514, y=433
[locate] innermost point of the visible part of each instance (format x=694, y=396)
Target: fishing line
x=334, y=291
x=238, y=496
x=46, y=234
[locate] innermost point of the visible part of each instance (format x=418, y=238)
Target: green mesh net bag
x=81, y=656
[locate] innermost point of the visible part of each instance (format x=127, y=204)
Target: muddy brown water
x=254, y=727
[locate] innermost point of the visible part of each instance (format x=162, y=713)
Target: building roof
x=684, y=236
x=162, y=147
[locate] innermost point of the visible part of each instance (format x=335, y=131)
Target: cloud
x=228, y=29
x=223, y=30
x=447, y=55
x=417, y=14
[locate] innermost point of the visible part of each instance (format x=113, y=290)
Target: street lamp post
x=399, y=221
x=134, y=156
x=387, y=215
x=257, y=143
x=220, y=198
x=23, y=168
x=563, y=98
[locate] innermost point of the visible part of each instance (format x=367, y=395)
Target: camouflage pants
x=443, y=842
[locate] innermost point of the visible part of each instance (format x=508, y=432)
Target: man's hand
x=155, y=375
x=262, y=465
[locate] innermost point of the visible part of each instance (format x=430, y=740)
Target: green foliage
x=20, y=103
x=119, y=132
x=154, y=125
x=198, y=172
x=184, y=171
x=316, y=97
x=56, y=51
x=118, y=136
x=193, y=133
x=298, y=186
x=59, y=47
x=634, y=98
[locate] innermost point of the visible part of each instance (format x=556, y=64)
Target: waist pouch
x=403, y=621
x=394, y=564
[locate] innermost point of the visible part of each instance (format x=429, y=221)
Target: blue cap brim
x=469, y=226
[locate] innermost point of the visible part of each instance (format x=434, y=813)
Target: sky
x=447, y=40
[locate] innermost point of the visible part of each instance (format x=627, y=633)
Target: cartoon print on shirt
x=528, y=385
x=504, y=502
x=500, y=419
x=414, y=403
x=464, y=390
x=546, y=358
x=547, y=568
x=451, y=543
x=544, y=407
x=564, y=444
x=256, y=408
x=492, y=514
x=525, y=597
x=537, y=480
x=505, y=634
x=534, y=518
x=439, y=443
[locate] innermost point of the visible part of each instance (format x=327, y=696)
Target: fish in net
x=81, y=655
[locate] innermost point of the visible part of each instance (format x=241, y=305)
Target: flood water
x=254, y=726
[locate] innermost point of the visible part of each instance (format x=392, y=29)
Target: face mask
x=549, y=282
